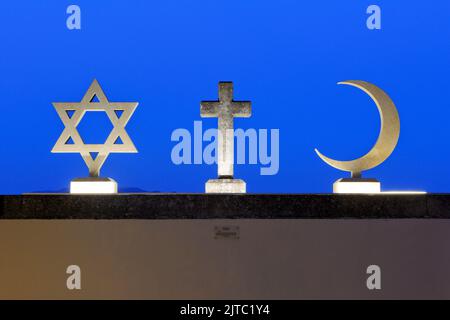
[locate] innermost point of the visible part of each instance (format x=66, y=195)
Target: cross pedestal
x=225, y=109
x=225, y=186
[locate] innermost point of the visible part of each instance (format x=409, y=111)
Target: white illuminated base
x=93, y=186
x=225, y=186
x=404, y=192
x=356, y=185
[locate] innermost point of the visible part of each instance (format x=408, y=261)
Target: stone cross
x=225, y=109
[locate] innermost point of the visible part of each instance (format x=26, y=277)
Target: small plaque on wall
x=226, y=232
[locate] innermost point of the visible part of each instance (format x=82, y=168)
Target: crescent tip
x=321, y=156
x=355, y=83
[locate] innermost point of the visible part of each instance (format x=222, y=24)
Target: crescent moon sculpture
x=387, y=138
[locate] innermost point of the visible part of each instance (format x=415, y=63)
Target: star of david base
x=93, y=185
x=225, y=186
x=357, y=185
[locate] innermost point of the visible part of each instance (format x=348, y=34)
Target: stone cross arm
x=210, y=109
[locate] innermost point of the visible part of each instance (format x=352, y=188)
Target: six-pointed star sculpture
x=71, y=114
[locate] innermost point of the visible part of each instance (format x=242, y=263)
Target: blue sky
x=284, y=56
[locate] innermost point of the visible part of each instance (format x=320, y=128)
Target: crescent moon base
x=357, y=185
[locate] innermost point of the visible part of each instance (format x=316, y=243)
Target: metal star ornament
x=118, y=141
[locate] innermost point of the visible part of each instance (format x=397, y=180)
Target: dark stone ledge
x=214, y=206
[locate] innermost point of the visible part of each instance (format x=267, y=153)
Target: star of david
x=118, y=141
